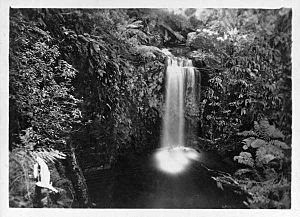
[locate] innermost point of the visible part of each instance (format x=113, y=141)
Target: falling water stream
x=173, y=125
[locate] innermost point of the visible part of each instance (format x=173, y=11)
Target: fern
x=264, y=139
x=242, y=171
x=258, y=143
x=252, y=142
x=245, y=158
x=250, y=133
x=261, y=192
x=267, y=153
x=267, y=131
x=247, y=142
x=279, y=144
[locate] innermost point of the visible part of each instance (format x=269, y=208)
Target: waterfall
x=179, y=82
x=181, y=92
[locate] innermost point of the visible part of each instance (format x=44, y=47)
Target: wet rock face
x=199, y=63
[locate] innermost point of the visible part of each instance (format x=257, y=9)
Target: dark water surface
x=137, y=183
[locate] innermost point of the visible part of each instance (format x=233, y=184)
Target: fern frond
x=258, y=143
x=243, y=171
x=266, y=153
x=279, y=144
x=248, y=141
x=245, y=158
x=267, y=131
x=250, y=133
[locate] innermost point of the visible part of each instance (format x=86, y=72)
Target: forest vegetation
x=86, y=87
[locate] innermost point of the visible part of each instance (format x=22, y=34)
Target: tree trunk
x=75, y=174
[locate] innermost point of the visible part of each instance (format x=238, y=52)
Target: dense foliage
x=267, y=175
x=248, y=52
x=88, y=84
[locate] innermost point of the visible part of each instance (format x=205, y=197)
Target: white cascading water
x=173, y=123
x=174, y=157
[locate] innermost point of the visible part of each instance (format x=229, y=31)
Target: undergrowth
x=22, y=183
x=266, y=171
